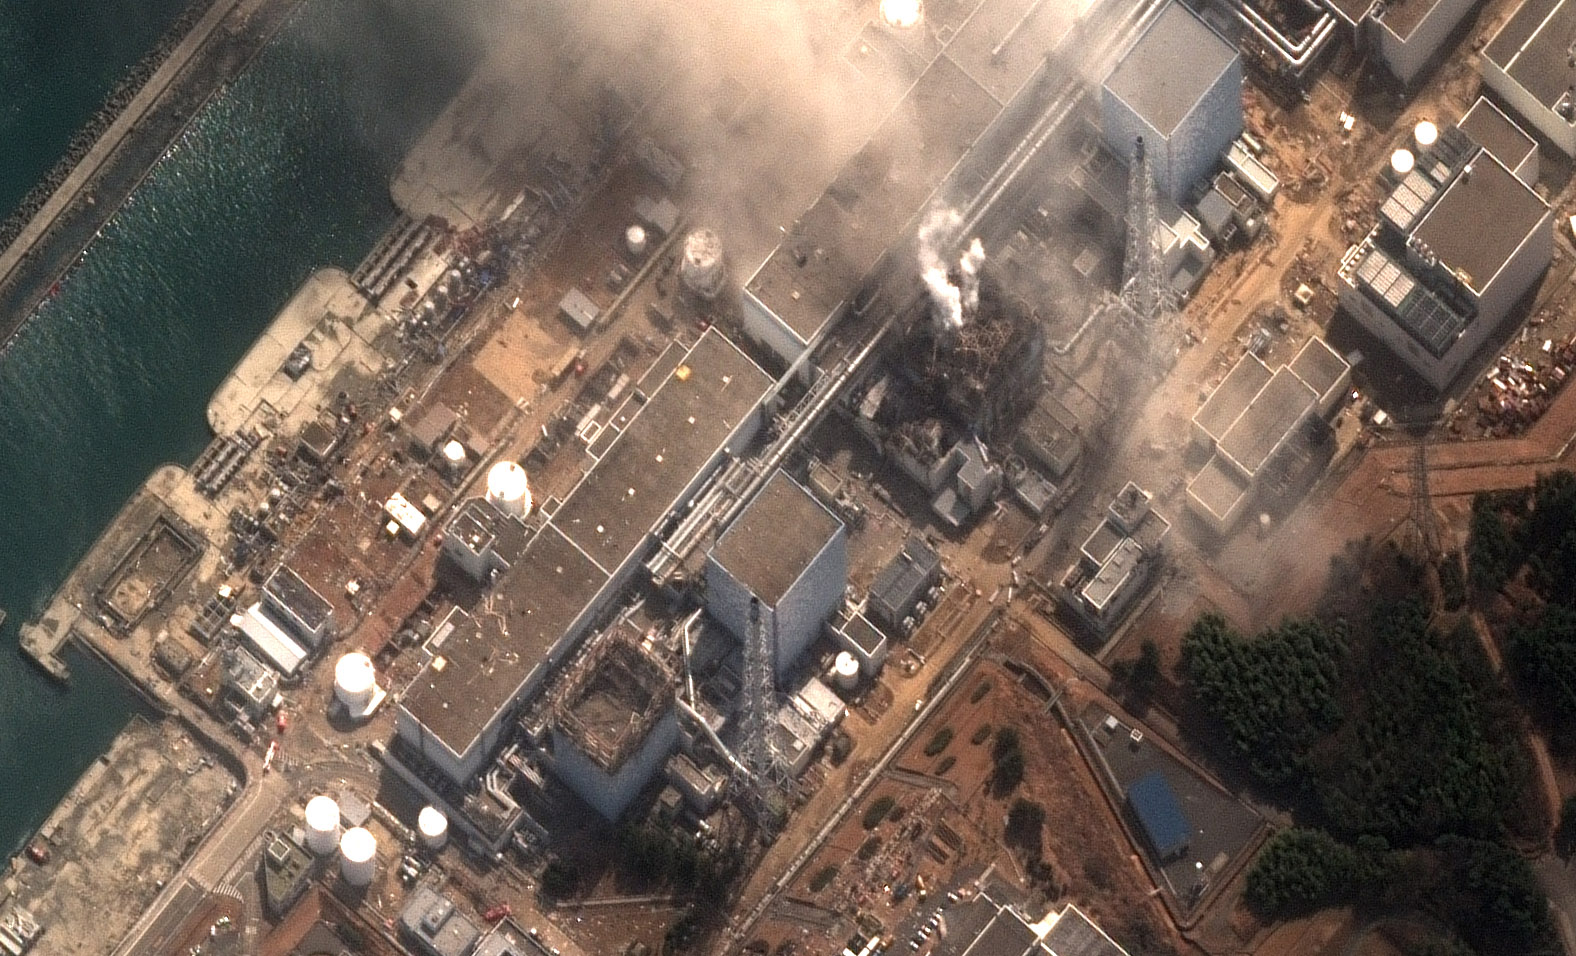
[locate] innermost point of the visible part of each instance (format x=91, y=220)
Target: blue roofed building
x=1160, y=816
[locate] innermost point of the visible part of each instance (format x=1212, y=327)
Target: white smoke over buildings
x=954, y=296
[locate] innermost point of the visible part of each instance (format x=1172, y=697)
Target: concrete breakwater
x=210, y=43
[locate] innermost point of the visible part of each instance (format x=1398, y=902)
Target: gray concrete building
x=789, y=551
x=1180, y=88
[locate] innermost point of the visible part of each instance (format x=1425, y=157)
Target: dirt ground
x=1082, y=842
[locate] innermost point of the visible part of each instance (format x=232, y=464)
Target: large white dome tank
x=358, y=851
x=845, y=671
x=508, y=489
x=322, y=825
x=433, y=827
x=355, y=681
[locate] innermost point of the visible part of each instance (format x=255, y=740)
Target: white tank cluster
x=322, y=825
x=636, y=240
x=845, y=671
x=701, y=268
x=433, y=827
x=358, y=852
x=508, y=489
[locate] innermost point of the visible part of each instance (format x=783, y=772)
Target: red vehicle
x=497, y=913
x=282, y=723
x=38, y=853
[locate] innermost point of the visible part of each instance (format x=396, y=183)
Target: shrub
x=869, y=848
x=980, y=735
x=946, y=764
x=877, y=812
x=939, y=742
x=822, y=878
x=979, y=691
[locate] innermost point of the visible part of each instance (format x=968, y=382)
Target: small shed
x=577, y=309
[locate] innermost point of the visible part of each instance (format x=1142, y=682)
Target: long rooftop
x=1265, y=424
x=664, y=444
x=1534, y=45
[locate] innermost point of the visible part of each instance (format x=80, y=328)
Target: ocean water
x=286, y=170
x=58, y=60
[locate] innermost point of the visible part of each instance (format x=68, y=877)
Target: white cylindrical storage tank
x=322, y=825
x=635, y=240
x=355, y=680
x=1402, y=161
x=701, y=268
x=433, y=827
x=1425, y=134
x=508, y=489
x=358, y=851
x=845, y=671
x=454, y=454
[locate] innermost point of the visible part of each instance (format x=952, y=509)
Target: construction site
x=621, y=560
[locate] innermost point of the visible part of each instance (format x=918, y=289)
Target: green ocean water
x=286, y=170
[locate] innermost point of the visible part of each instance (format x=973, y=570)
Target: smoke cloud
x=762, y=101
x=954, y=297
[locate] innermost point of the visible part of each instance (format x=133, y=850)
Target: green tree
x=1025, y=820
x=1493, y=554
x=1495, y=898
x=1301, y=870
x=1542, y=657
x=1274, y=696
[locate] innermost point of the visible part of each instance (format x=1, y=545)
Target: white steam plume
x=951, y=303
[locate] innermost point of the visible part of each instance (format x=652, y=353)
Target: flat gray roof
x=664, y=445
x=1075, y=935
x=1232, y=395
x=1494, y=131
x=1481, y=220
x=1278, y=408
x=774, y=539
x=484, y=662
x=1006, y=935
x=1170, y=67
x=1114, y=573
x=662, y=448
x=1319, y=366
x=1218, y=487
x=1534, y=48
x=1402, y=17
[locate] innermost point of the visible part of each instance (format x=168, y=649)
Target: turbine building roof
x=1533, y=48
x=486, y=661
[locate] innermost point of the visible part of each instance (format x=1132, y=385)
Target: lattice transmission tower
x=1147, y=296
x=766, y=789
x=1424, y=527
